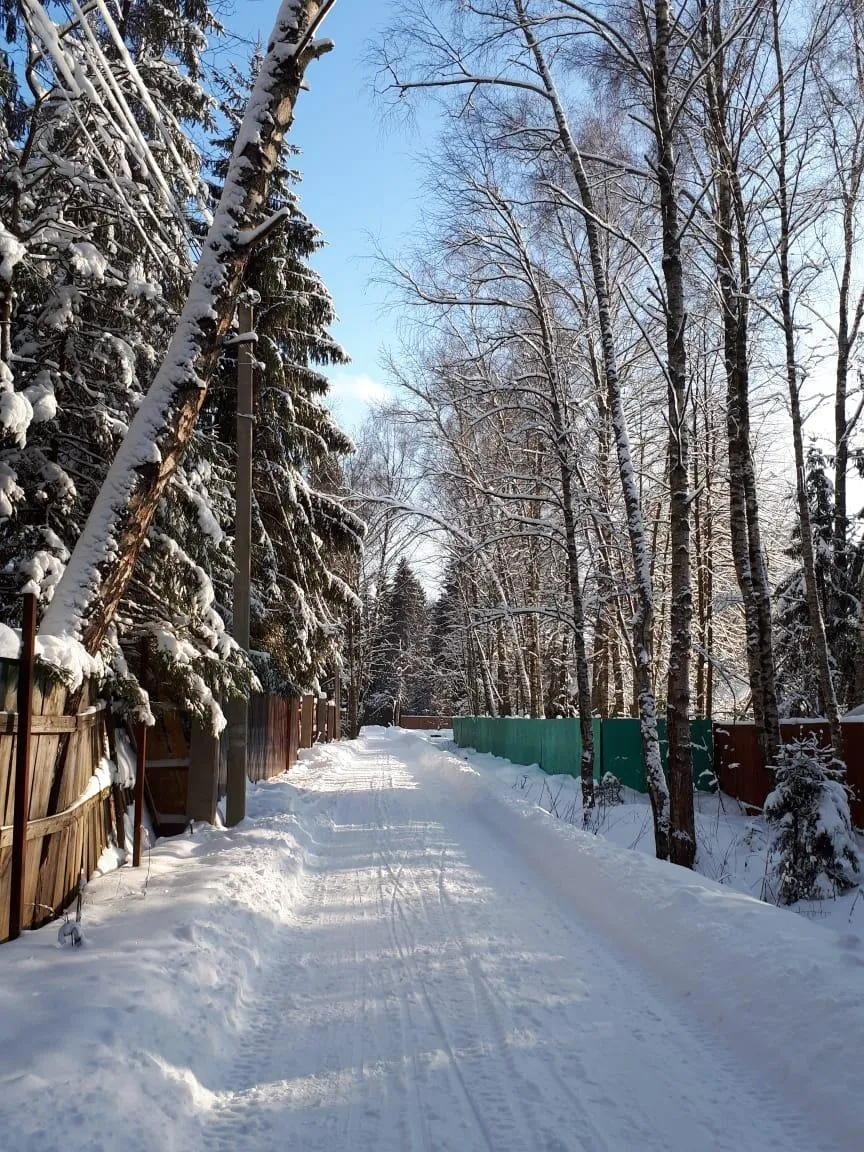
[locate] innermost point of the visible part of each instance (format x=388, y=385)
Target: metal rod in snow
x=238, y=733
x=140, y=770
x=22, y=765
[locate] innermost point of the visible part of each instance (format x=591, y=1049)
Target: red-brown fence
x=70, y=821
x=272, y=744
x=741, y=770
x=425, y=723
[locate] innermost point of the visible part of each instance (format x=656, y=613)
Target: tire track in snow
x=399, y=918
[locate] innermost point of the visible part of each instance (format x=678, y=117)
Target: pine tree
x=303, y=535
x=449, y=695
x=399, y=677
x=99, y=196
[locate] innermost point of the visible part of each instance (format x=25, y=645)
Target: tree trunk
x=644, y=614
x=733, y=275
x=814, y=607
x=103, y=560
x=586, y=728
x=683, y=841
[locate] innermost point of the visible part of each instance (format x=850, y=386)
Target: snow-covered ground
x=397, y=951
x=733, y=846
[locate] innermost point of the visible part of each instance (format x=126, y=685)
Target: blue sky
x=361, y=183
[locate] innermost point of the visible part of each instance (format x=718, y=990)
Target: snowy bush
x=609, y=790
x=814, y=851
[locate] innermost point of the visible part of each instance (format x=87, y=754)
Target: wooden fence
x=279, y=726
x=274, y=735
x=742, y=773
x=70, y=821
x=425, y=723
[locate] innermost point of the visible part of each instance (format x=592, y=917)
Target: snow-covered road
x=391, y=955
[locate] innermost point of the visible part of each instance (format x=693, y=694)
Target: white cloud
x=358, y=388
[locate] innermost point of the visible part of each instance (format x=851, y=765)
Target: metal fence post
x=140, y=768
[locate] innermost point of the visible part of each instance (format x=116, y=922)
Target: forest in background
x=636, y=305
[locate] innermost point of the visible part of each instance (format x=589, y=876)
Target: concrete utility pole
x=235, y=808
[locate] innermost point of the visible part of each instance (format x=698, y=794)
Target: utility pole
x=235, y=807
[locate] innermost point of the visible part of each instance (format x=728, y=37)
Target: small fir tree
x=447, y=650
x=814, y=851
x=399, y=677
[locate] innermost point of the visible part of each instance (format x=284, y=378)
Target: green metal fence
x=556, y=745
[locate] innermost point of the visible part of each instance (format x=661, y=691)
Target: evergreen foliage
x=302, y=532
x=839, y=580
x=449, y=694
x=400, y=680
x=815, y=855
x=101, y=215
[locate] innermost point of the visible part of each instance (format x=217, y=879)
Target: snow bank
x=783, y=994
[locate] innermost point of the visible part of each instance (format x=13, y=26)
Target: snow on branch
x=104, y=558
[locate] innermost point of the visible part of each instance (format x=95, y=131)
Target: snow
x=44, y=570
x=397, y=951
x=71, y=658
x=10, y=491
x=733, y=846
x=12, y=252
x=41, y=397
x=16, y=413
x=88, y=261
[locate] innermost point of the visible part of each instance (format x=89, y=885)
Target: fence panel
x=621, y=752
x=269, y=736
x=68, y=829
x=742, y=772
x=556, y=745
x=424, y=723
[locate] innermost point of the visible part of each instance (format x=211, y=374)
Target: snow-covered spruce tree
x=100, y=570
x=814, y=850
x=400, y=679
x=303, y=535
x=447, y=663
x=99, y=191
x=798, y=681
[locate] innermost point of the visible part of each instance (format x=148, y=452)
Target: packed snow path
x=407, y=961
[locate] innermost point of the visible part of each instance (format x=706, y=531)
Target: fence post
x=321, y=720
x=140, y=763
x=306, y=721
x=337, y=715
x=22, y=765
